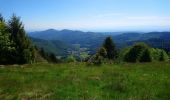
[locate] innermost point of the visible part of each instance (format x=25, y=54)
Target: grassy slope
x=80, y=82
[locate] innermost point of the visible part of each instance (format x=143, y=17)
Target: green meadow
x=79, y=81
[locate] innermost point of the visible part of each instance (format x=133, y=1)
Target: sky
x=90, y=15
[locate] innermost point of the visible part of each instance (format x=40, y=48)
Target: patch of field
x=150, y=81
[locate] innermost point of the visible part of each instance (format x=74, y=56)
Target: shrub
x=135, y=52
x=159, y=55
x=146, y=56
x=70, y=58
x=96, y=59
x=163, y=56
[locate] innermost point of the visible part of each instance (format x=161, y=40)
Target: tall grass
x=78, y=81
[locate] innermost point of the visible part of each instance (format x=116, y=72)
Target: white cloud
x=103, y=22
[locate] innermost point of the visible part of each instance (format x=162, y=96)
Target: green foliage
x=70, y=59
x=136, y=51
x=48, y=57
x=122, y=53
x=99, y=57
x=142, y=53
x=6, y=46
x=53, y=58
x=102, y=52
x=15, y=47
x=159, y=55
x=96, y=59
x=146, y=56
x=110, y=48
x=24, y=52
x=163, y=56
x=43, y=53
x=57, y=47
x=83, y=56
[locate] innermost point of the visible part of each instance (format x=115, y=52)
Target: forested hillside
x=54, y=46
x=92, y=40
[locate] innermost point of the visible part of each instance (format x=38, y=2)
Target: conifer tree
x=110, y=48
x=6, y=48
x=24, y=49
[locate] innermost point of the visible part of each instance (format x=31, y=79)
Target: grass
x=147, y=81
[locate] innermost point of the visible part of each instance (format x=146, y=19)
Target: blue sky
x=90, y=15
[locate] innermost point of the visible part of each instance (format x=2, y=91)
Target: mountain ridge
x=92, y=41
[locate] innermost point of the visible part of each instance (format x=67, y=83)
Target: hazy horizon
x=91, y=15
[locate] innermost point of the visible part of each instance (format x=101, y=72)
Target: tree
x=70, y=58
x=53, y=58
x=110, y=48
x=24, y=49
x=1, y=18
x=95, y=59
x=146, y=56
x=43, y=53
x=102, y=52
x=134, y=54
x=6, y=48
x=163, y=56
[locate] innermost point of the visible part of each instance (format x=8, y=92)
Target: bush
x=146, y=56
x=70, y=58
x=135, y=52
x=159, y=55
x=96, y=60
x=163, y=56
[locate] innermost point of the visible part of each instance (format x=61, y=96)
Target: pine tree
x=110, y=48
x=24, y=49
x=6, y=48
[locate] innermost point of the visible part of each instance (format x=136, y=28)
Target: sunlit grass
x=77, y=81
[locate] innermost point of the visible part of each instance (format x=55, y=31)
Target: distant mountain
x=126, y=37
x=89, y=40
x=92, y=40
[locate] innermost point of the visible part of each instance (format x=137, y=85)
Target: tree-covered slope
x=93, y=40
x=53, y=46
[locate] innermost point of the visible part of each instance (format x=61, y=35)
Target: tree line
x=139, y=52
